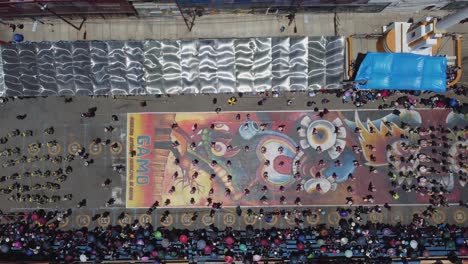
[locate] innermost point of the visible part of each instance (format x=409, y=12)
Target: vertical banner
x=140, y=180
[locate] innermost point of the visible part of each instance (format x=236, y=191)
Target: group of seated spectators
x=37, y=236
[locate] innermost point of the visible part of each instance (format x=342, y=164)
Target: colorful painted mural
x=283, y=158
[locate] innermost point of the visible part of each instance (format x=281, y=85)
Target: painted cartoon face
x=280, y=153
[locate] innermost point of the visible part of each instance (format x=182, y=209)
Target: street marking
x=104, y=221
x=186, y=219
x=54, y=149
x=33, y=150
x=145, y=219
x=207, y=219
x=83, y=220
x=274, y=219
x=229, y=219
x=376, y=217
x=127, y=219
x=250, y=220
x=117, y=150
x=95, y=149
x=439, y=217
x=333, y=218
x=169, y=220
x=73, y=148
x=313, y=219
x=396, y=216
x=64, y=223
x=459, y=216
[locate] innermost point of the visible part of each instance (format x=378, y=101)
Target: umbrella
x=18, y=244
x=183, y=238
x=257, y=258
x=277, y=241
x=320, y=242
x=207, y=250
x=228, y=259
x=460, y=240
x=154, y=253
x=414, y=244
x=361, y=241
x=229, y=240
x=348, y=253
x=150, y=247
x=4, y=248
x=324, y=232
x=243, y=247
x=344, y=241
x=201, y=244
x=83, y=258
x=463, y=251
x=157, y=235
x=386, y=231
x=391, y=251
x=300, y=246
x=145, y=258
x=34, y=217
x=165, y=243
x=91, y=238
x=29, y=252
x=301, y=238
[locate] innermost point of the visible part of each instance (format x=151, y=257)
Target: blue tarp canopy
x=402, y=71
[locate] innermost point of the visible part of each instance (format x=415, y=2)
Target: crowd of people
x=38, y=234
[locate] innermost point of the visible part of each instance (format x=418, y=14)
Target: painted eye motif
x=323, y=135
x=219, y=149
x=221, y=127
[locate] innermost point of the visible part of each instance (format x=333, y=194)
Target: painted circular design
x=321, y=136
x=324, y=137
x=396, y=216
x=375, y=217
x=439, y=217
x=290, y=221
x=207, y=219
x=313, y=219
x=186, y=219
x=104, y=221
x=64, y=223
x=274, y=220
x=333, y=218
x=83, y=220
x=145, y=219
x=73, y=148
x=459, y=216
x=55, y=149
x=127, y=219
x=250, y=220
x=95, y=149
x=229, y=219
x=117, y=150
x=33, y=150
x=168, y=222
